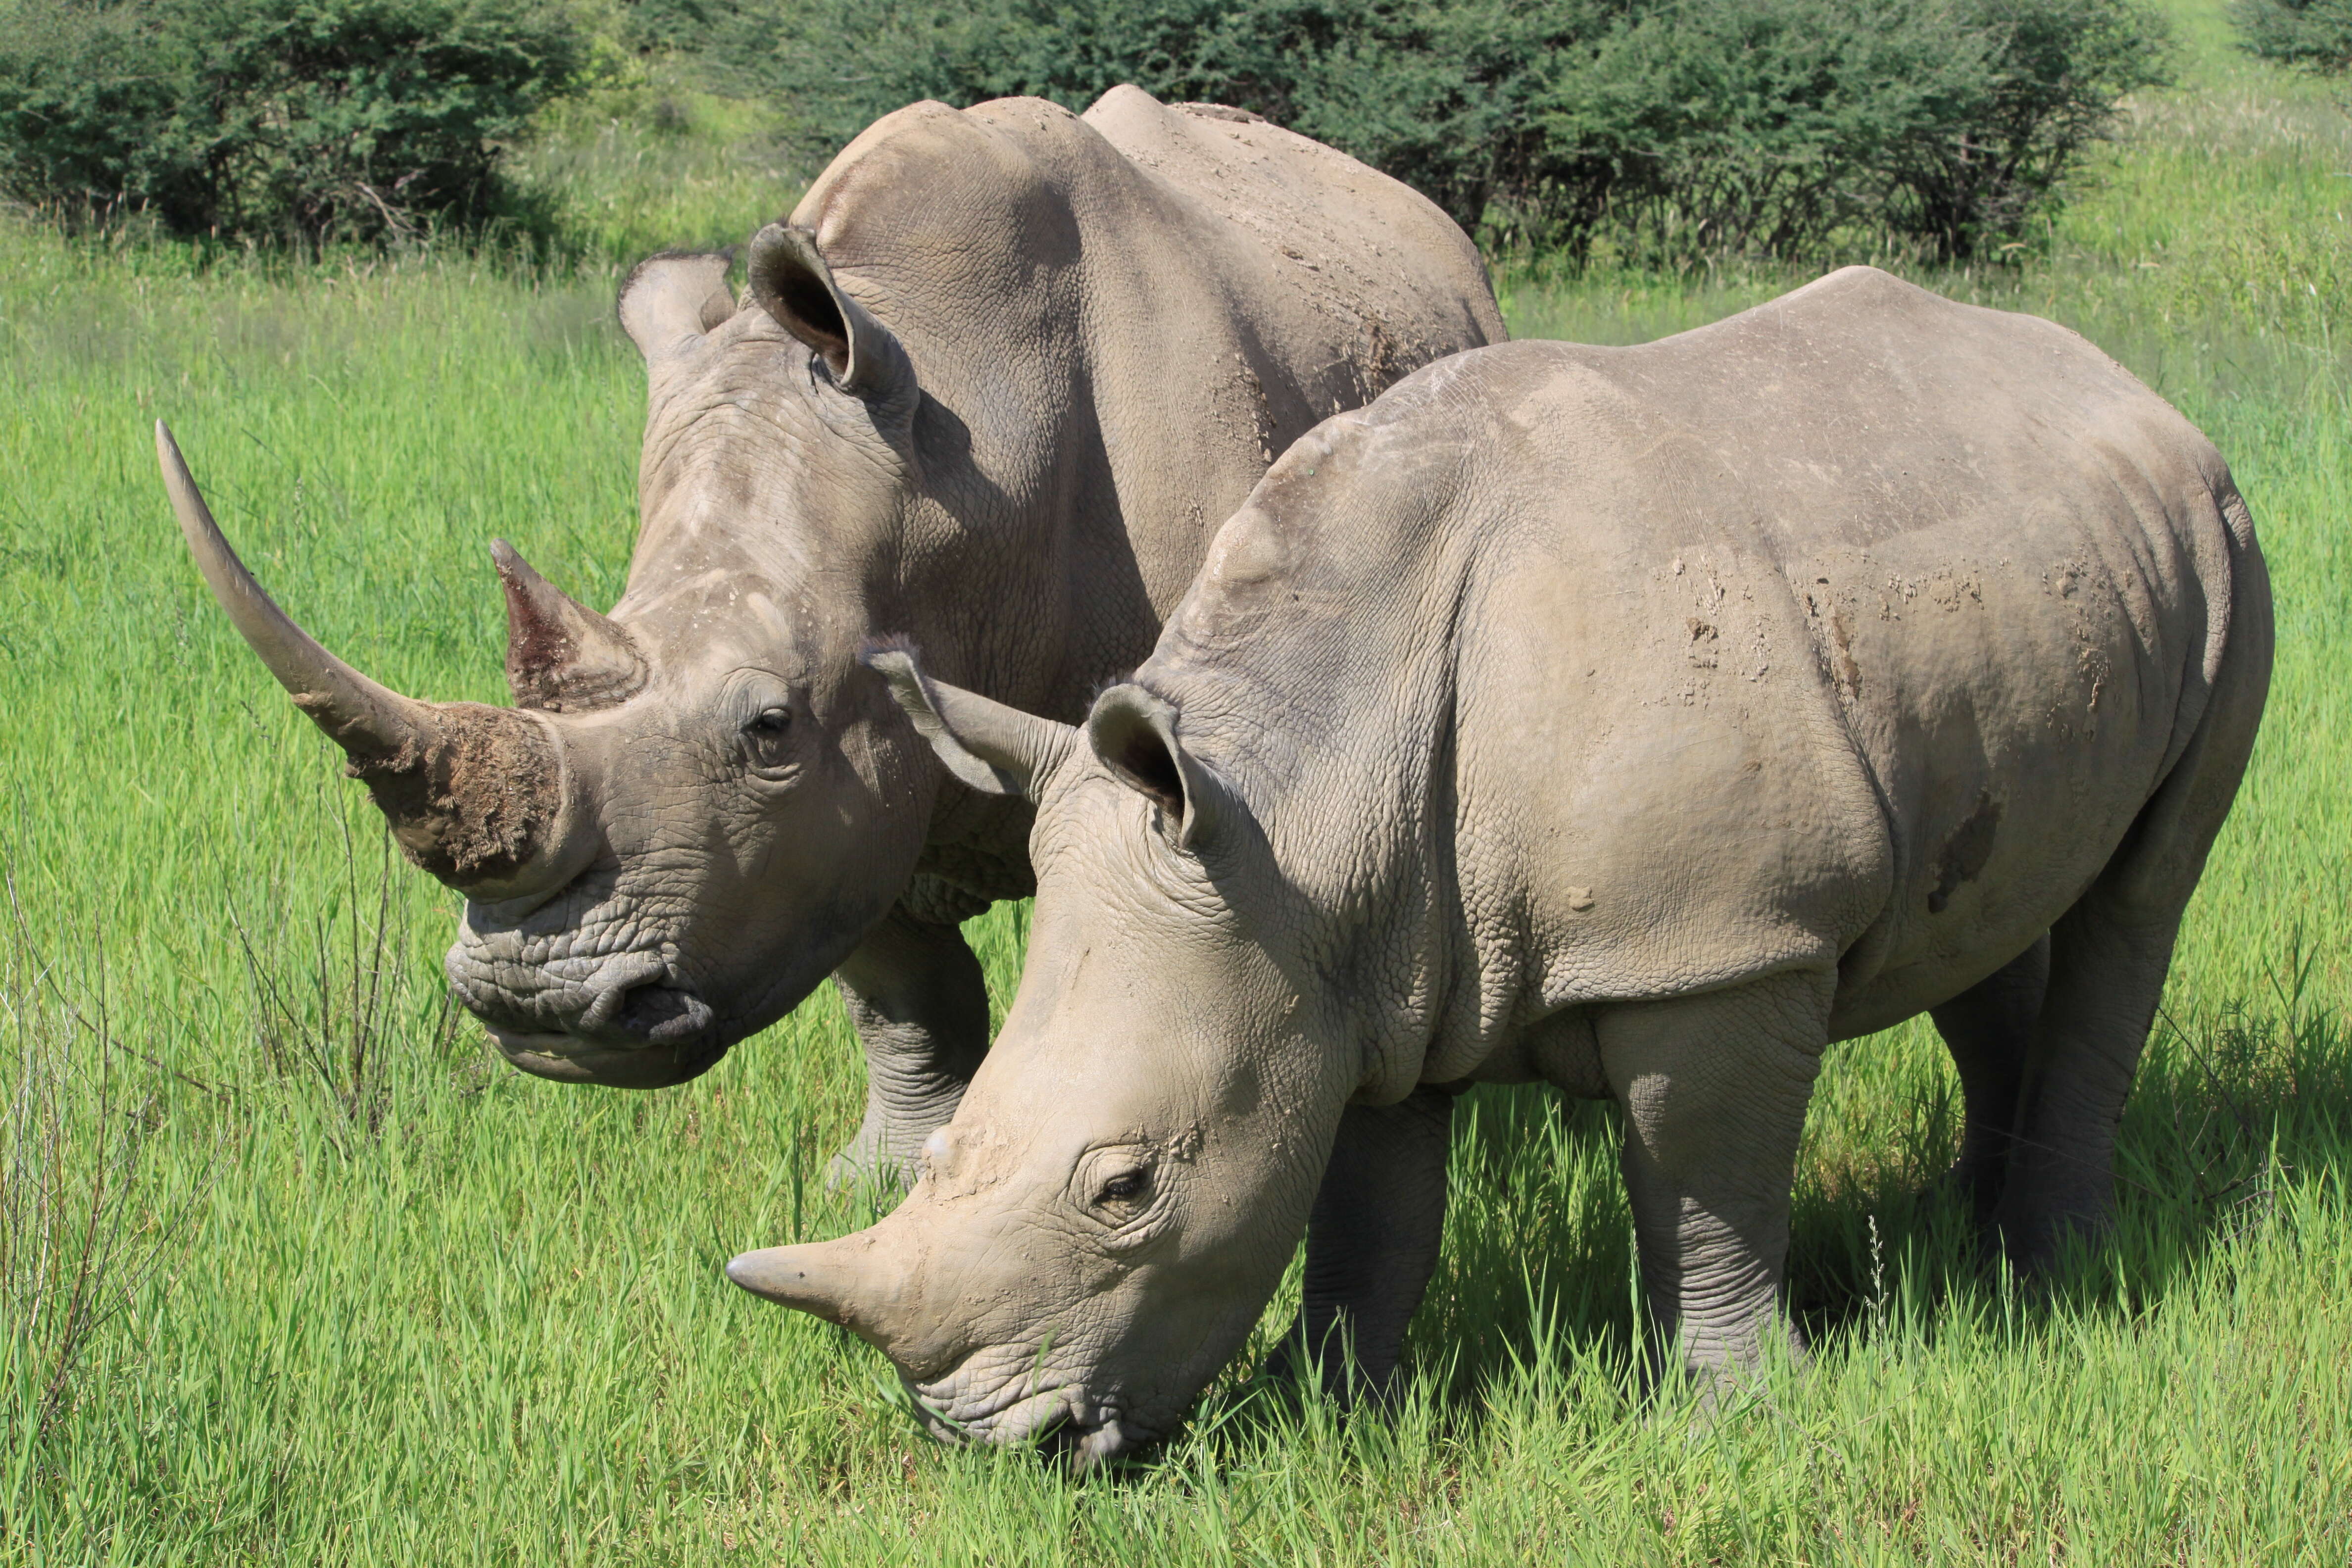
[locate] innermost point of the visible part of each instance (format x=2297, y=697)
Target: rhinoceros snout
x=628, y=1024
x=1035, y=1407
x=570, y=1059
x=649, y=1016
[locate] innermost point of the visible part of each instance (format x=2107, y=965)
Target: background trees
x=1639, y=130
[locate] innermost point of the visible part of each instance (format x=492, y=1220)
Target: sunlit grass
x=423, y=1310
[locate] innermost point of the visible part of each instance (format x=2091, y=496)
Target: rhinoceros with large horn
x=1637, y=720
x=992, y=383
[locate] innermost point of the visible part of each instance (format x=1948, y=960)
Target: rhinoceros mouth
x=1061, y=1420
x=566, y=1059
x=625, y=1018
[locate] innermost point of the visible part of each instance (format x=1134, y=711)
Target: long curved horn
x=472, y=793
x=362, y=717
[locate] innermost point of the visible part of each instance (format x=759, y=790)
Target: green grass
x=647, y=163
x=375, y=1298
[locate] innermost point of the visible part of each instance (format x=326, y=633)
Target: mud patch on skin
x=1966, y=853
x=473, y=802
x=1835, y=637
x=1848, y=674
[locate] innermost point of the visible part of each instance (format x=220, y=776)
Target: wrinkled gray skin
x=993, y=386
x=1637, y=720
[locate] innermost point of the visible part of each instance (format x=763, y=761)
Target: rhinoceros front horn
x=852, y=1282
x=472, y=793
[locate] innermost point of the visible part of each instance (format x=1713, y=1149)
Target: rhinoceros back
x=1861, y=627
x=1154, y=300
x=1367, y=253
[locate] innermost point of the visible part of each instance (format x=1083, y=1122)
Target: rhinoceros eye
x=767, y=734
x=1124, y=1190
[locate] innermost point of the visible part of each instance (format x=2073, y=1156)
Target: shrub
x=1660, y=127
x=301, y=120
x=2314, y=33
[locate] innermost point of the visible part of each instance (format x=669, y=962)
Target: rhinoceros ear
x=675, y=297
x=1134, y=734
x=993, y=748
x=793, y=283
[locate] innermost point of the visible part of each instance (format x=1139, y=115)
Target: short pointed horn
x=473, y=794
x=847, y=1282
x=561, y=656
x=365, y=719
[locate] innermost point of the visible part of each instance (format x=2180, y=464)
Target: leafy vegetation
x=308, y=120
x=362, y=1294
x=1647, y=129
x=646, y=161
x=1655, y=129
x=2314, y=33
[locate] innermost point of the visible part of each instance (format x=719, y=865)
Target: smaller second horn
x=561, y=656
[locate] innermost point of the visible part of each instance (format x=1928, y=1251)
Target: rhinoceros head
x=1094, y=1234
x=699, y=803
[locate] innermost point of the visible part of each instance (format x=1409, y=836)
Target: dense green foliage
x=1648, y=128
x=2314, y=33
x=373, y=1297
x=1652, y=127
x=304, y=120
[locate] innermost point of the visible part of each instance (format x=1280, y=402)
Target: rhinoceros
x=1635, y=721
x=994, y=383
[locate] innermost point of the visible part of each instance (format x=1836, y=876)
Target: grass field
x=370, y=1297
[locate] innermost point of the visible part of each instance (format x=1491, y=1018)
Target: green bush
x=1659, y=128
x=307, y=121
x=2314, y=33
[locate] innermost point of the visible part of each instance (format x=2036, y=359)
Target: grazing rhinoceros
x=1638, y=720
x=994, y=384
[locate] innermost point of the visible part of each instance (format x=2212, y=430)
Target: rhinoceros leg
x=2108, y=955
x=2106, y=976
x=1713, y=1086
x=1988, y=1030
x=1372, y=1243
x=915, y=995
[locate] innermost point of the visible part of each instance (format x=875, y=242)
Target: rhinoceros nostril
x=615, y=981
x=662, y=1015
